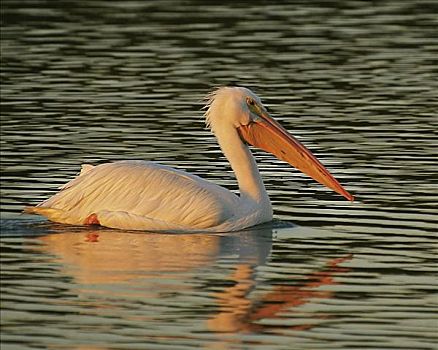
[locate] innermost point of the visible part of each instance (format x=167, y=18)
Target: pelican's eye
x=250, y=101
x=254, y=109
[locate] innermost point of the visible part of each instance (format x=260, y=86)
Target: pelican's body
x=149, y=196
x=142, y=195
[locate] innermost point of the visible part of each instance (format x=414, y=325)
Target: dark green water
x=97, y=81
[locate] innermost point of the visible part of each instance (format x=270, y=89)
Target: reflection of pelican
x=108, y=256
x=109, y=264
x=239, y=313
x=112, y=256
x=147, y=196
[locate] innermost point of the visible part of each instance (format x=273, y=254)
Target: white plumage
x=142, y=195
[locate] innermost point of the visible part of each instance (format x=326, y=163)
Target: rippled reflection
x=240, y=313
x=108, y=266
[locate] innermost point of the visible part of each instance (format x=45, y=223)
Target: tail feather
x=50, y=213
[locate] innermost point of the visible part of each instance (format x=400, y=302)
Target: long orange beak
x=269, y=135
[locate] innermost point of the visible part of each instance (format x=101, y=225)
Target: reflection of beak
x=269, y=135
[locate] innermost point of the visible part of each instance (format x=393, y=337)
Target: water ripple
x=91, y=82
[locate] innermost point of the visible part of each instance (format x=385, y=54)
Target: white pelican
x=141, y=195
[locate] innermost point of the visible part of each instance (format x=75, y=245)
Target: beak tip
x=350, y=197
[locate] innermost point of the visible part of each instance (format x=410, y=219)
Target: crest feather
x=209, y=99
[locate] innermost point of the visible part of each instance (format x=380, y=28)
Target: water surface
x=98, y=81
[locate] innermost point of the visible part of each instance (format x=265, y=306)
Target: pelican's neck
x=242, y=162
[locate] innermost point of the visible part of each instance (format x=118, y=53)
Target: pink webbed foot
x=92, y=220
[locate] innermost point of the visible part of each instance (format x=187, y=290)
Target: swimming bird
x=143, y=195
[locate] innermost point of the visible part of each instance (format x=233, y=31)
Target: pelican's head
x=232, y=106
x=240, y=109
